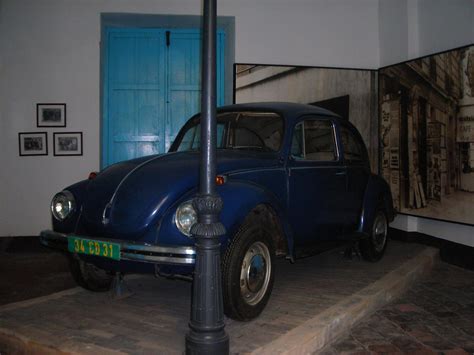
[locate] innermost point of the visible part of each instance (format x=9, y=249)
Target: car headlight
x=62, y=205
x=185, y=217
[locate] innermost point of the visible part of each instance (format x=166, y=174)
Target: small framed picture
x=51, y=115
x=33, y=143
x=67, y=143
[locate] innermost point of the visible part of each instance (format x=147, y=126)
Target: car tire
x=90, y=276
x=248, y=271
x=373, y=248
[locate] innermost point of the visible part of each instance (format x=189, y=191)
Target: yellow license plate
x=93, y=247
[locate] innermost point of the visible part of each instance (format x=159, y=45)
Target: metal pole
x=206, y=334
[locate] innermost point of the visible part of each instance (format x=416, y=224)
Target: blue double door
x=151, y=87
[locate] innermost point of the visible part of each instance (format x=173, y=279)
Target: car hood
x=125, y=198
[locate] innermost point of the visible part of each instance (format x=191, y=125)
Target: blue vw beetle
x=293, y=178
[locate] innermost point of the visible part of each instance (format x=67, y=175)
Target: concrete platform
x=313, y=302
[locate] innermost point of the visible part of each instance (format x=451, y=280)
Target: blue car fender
x=377, y=197
x=241, y=198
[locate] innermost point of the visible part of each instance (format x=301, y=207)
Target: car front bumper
x=132, y=251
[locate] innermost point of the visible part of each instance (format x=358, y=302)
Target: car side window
x=314, y=140
x=353, y=149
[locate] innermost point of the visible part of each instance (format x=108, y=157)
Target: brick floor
x=435, y=316
x=154, y=320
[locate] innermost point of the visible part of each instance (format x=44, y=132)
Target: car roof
x=288, y=110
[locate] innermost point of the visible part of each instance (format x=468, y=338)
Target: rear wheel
x=248, y=271
x=90, y=276
x=373, y=247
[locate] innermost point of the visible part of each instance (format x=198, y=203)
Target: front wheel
x=90, y=276
x=248, y=272
x=373, y=247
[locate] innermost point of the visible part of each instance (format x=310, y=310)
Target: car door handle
x=341, y=173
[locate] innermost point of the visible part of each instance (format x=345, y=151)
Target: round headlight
x=185, y=217
x=62, y=205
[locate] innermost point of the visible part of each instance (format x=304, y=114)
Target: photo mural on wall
x=427, y=135
x=351, y=93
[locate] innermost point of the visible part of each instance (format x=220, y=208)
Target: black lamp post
x=207, y=334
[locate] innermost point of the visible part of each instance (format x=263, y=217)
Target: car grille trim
x=157, y=259
x=132, y=251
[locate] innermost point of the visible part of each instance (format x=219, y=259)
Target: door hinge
x=168, y=33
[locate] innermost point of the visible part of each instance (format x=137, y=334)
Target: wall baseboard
x=450, y=252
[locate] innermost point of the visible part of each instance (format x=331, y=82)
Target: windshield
x=258, y=131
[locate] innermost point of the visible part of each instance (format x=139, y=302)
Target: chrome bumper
x=141, y=252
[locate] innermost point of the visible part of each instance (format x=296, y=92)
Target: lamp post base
x=204, y=344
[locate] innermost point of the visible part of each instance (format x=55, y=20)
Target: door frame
x=225, y=24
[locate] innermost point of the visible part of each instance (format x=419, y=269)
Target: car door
x=357, y=165
x=316, y=181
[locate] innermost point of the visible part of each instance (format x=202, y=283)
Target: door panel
x=316, y=182
x=151, y=88
x=134, y=106
x=121, y=66
x=184, y=80
x=182, y=106
x=123, y=113
x=149, y=109
x=358, y=171
x=148, y=54
x=317, y=194
x=357, y=178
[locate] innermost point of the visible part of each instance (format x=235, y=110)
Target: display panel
x=351, y=93
x=427, y=135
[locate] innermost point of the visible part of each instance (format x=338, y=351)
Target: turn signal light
x=92, y=175
x=220, y=180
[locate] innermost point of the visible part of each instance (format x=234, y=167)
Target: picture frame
x=426, y=135
x=33, y=143
x=67, y=143
x=50, y=115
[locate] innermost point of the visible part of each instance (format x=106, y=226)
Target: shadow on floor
x=29, y=270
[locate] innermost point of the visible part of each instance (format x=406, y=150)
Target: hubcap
x=379, y=232
x=255, y=273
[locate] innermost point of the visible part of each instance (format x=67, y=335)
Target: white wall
x=49, y=52
x=2, y=130
x=337, y=33
x=393, y=31
x=447, y=24
x=414, y=28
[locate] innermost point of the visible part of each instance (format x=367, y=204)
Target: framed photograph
x=67, y=143
x=51, y=115
x=426, y=108
x=33, y=143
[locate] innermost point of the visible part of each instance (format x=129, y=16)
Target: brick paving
x=436, y=316
x=154, y=319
